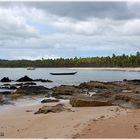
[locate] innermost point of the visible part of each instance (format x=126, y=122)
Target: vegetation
x=113, y=61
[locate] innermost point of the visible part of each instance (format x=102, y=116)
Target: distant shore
x=135, y=69
x=110, y=68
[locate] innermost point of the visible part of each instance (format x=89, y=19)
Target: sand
x=17, y=122
x=119, y=127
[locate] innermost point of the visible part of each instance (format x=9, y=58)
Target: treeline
x=109, y=61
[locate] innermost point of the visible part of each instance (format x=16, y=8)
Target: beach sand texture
x=23, y=123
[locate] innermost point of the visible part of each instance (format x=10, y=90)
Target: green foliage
x=114, y=61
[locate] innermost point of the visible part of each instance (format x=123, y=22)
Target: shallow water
x=82, y=75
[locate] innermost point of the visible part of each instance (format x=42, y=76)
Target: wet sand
x=21, y=122
x=118, y=127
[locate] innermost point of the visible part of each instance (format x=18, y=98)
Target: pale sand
x=17, y=123
x=133, y=69
x=119, y=127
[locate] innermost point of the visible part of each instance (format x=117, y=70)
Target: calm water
x=82, y=75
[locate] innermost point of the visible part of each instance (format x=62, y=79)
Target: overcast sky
x=32, y=30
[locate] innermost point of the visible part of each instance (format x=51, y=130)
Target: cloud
x=68, y=29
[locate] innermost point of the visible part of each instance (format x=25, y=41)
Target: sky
x=35, y=30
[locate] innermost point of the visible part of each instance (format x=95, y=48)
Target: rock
x=63, y=97
x=1, y=98
x=92, y=85
x=32, y=90
x=4, y=101
x=127, y=100
x=84, y=101
x=5, y=79
x=2, y=134
x=65, y=90
x=13, y=87
x=29, y=83
x=24, y=79
x=29, y=111
x=43, y=80
x=5, y=92
x=54, y=109
x=49, y=100
x=100, y=86
x=15, y=96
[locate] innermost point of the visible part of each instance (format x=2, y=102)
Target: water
x=83, y=75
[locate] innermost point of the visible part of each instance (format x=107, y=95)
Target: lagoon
x=83, y=74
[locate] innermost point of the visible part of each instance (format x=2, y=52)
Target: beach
x=21, y=122
x=118, y=127
x=91, y=109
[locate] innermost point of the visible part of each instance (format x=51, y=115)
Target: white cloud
x=21, y=30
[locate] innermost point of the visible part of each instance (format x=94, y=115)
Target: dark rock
x=66, y=90
x=124, y=80
x=85, y=101
x=54, y=109
x=24, y=79
x=134, y=81
x=63, y=97
x=9, y=87
x=13, y=87
x=49, y=100
x=5, y=92
x=2, y=134
x=29, y=83
x=32, y=90
x=19, y=84
x=5, y=79
x=43, y=80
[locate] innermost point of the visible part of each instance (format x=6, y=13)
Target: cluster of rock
x=24, y=79
x=53, y=109
x=124, y=93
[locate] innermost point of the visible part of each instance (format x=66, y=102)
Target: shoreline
x=18, y=123
x=92, y=68
x=105, y=115
x=135, y=69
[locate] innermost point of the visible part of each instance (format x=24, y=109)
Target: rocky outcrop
x=85, y=101
x=5, y=79
x=54, y=109
x=28, y=79
x=43, y=80
x=29, y=83
x=24, y=79
x=65, y=90
x=9, y=87
x=49, y=100
x=32, y=90
x=104, y=87
x=127, y=100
